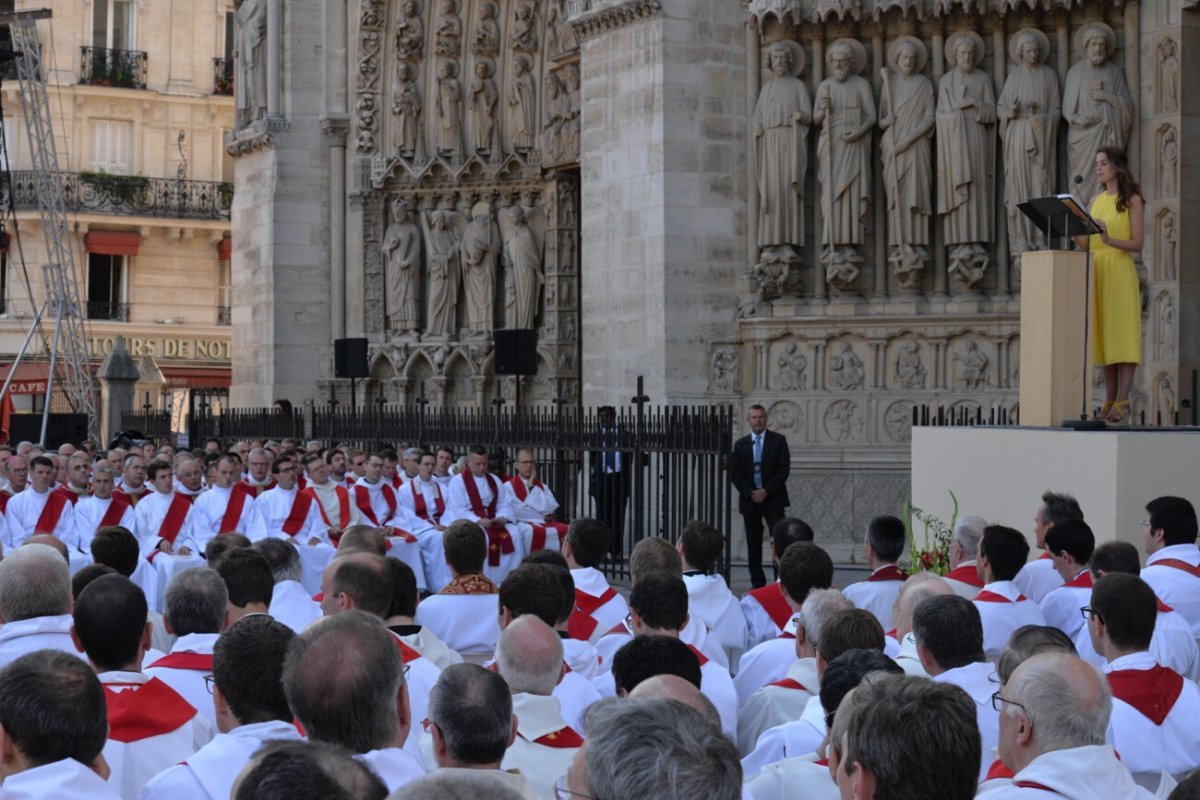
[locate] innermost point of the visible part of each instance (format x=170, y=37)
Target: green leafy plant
x=120, y=188
x=931, y=552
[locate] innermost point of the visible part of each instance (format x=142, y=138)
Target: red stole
x=407, y=654
x=233, y=511
x=1163, y=608
x=1081, y=581
x=114, y=512
x=299, y=513
x=582, y=624
x=176, y=514
x=477, y=507
x=888, y=573
x=4, y=498
x=47, y=521
x=992, y=597
x=788, y=683
x=343, y=497
x=1152, y=692
x=1175, y=563
x=965, y=574
x=72, y=496
x=186, y=660
x=771, y=598
x=422, y=508
x=362, y=499
x=539, y=528
x=130, y=496
x=703, y=659
x=150, y=709
x=998, y=770
x=396, y=481
x=563, y=738
x=252, y=490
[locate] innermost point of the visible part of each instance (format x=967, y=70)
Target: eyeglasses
x=561, y=792
x=1089, y=613
x=998, y=705
x=209, y=682
x=1145, y=523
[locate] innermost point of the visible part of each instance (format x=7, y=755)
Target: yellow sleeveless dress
x=1116, y=302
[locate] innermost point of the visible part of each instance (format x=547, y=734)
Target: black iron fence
x=105, y=66
x=126, y=195
x=647, y=472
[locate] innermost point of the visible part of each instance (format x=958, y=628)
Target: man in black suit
x=759, y=469
x=611, y=483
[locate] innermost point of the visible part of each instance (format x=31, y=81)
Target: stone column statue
x=441, y=259
x=523, y=259
x=522, y=99
x=1097, y=104
x=402, y=250
x=558, y=107
x=1028, y=110
x=524, y=28
x=447, y=30
x=406, y=110
x=410, y=31
x=486, y=41
x=966, y=115
x=484, y=96
x=251, y=82
x=1168, y=77
x=845, y=110
x=571, y=129
x=782, y=117
x=449, y=109
x=480, y=243
x=908, y=119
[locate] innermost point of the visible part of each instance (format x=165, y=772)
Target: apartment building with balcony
x=141, y=96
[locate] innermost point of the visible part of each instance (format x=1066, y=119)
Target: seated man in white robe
x=249, y=581
x=529, y=658
x=442, y=467
x=220, y=509
x=344, y=681
x=916, y=589
x=285, y=512
x=100, y=510
x=250, y=707
x=291, y=603
x=337, y=509
x=1037, y=578
x=475, y=495
x=78, y=469
x=257, y=478
x=377, y=503
x=1070, y=545
x=421, y=507
x=709, y=600
x=1001, y=605
x=15, y=475
x=963, y=578
x=885, y=543
x=38, y=509
x=1054, y=712
x=926, y=741
x=533, y=503
x=35, y=604
x=401, y=618
x=471, y=726
x=151, y=727
x=1172, y=557
x=767, y=613
x=52, y=729
x=1155, y=709
x=580, y=655
x=464, y=613
x=163, y=518
x=116, y=547
x=133, y=478
x=189, y=476
x=598, y=606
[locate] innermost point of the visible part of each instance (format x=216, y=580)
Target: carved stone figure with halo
x=782, y=116
x=1097, y=104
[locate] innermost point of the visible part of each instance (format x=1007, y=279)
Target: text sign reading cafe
x=164, y=347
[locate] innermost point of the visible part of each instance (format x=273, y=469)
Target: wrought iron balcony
x=103, y=309
x=224, y=315
x=125, y=195
x=223, y=76
x=103, y=66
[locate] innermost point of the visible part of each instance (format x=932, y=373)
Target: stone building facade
x=804, y=203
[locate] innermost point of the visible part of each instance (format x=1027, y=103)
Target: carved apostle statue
x=251, y=82
x=845, y=110
x=449, y=109
x=782, y=117
x=523, y=259
x=480, y=244
x=441, y=259
x=402, y=250
x=966, y=115
x=410, y=31
x=1097, y=105
x=447, y=30
x=908, y=119
x=522, y=99
x=1028, y=110
x=406, y=110
x=486, y=41
x=484, y=95
x=558, y=108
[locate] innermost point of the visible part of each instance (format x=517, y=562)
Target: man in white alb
x=421, y=506
x=533, y=504
x=334, y=504
x=163, y=519
x=475, y=495
x=376, y=501
x=287, y=513
x=221, y=509
x=102, y=509
x=38, y=509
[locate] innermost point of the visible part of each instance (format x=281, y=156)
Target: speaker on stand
x=516, y=354
x=350, y=361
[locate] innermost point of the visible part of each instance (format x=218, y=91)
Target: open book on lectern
x=1059, y=215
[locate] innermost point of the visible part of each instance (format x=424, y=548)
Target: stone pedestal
x=1054, y=307
x=118, y=375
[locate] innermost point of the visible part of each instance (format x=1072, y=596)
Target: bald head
x=362, y=539
x=49, y=541
x=529, y=656
x=1067, y=703
x=359, y=580
x=918, y=587
x=673, y=687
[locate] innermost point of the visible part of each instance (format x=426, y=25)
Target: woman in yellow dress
x=1116, y=303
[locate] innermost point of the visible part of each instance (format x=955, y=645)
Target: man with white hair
x=189, y=476
x=133, y=478
x=916, y=589
x=35, y=603
x=963, y=578
x=257, y=478
x=38, y=509
x=1038, y=578
x=291, y=603
x=529, y=658
x=103, y=509
x=1054, y=711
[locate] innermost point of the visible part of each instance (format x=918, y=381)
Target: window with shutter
x=112, y=24
x=112, y=146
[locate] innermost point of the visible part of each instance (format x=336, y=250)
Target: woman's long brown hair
x=1127, y=187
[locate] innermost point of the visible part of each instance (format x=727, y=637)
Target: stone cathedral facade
x=805, y=203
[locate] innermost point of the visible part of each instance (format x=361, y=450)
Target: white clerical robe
x=777, y=703
x=22, y=515
x=422, y=675
x=184, y=668
x=765, y=663
x=467, y=623
x=575, y=695
x=545, y=744
x=274, y=508
x=292, y=605
x=89, y=513
x=789, y=740
x=1173, y=645
x=878, y=593
x=964, y=580
x=1154, y=717
x=149, y=516
x=384, y=506
x=331, y=504
x=1038, y=578
x=426, y=642
x=61, y=780
x=458, y=506
x=433, y=554
x=151, y=728
x=1079, y=773
x=590, y=588
x=395, y=767
x=21, y=636
x=209, y=511
x=712, y=604
x=1003, y=609
x=1061, y=607
x=980, y=682
x=580, y=656
x=537, y=504
x=210, y=772
x=761, y=624
x=908, y=659
x=692, y=633
x=1175, y=587
x=802, y=776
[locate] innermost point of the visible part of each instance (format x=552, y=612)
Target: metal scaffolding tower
x=68, y=353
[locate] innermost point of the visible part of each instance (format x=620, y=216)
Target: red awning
x=113, y=243
x=224, y=249
x=213, y=378
x=29, y=379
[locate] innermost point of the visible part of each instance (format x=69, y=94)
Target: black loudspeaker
x=60, y=429
x=516, y=351
x=349, y=358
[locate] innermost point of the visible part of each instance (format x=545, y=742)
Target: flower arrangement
x=932, y=554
